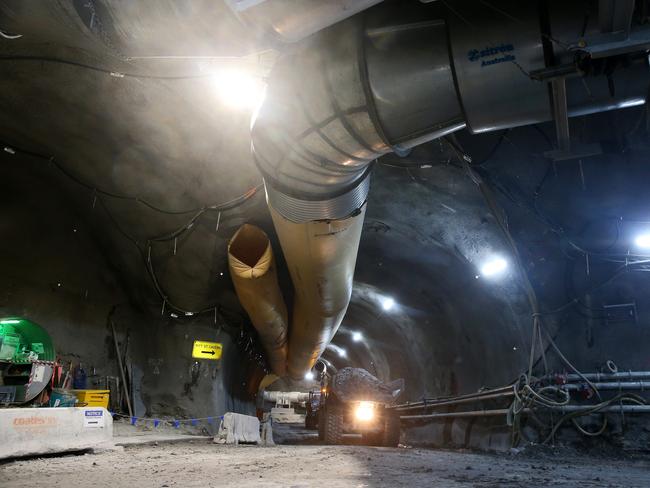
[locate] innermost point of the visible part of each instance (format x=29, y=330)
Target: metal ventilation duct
x=396, y=76
x=365, y=87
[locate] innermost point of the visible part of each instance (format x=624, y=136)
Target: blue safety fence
x=176, y=423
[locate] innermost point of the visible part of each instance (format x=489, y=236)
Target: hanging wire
x=113, y=73
x=145, y=251
x=6, y=35
x=12, y=149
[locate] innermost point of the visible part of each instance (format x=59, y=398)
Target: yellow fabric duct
x=252, y=269
x=321, y=256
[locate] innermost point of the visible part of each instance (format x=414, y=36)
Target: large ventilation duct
x=252, y=270
x=393, y=77
x=330, y=111
x=321, y=256
x=496, y=47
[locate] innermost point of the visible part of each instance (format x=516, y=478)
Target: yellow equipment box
x=92, y=398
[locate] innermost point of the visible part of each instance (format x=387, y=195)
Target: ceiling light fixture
x=642, y=241
x=338, y=350
x=387, y=303
x=239, y=89
x=494, y=266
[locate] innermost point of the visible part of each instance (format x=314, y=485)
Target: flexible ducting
x=253, y=273
x=321, y=256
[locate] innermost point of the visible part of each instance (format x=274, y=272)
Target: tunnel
x=290, y=217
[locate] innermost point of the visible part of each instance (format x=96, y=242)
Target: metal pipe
x=456, y=401
x=610, y=409
x=613, y=385
x=629, y=375
x=631, y=409
x=473, y=413
x=285, y=397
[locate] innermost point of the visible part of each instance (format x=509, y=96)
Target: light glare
x=238, y=89
x=338, y=350
x=357, y=336
x=494, y=267
x=365, y=411
x=309, y=376
x=387, y=303
x=642, y=241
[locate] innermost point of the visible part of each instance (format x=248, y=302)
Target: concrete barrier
x=33, y=431
x=236, y=428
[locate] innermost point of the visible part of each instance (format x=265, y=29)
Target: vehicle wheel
x=321, y=424
x=333, y=425
x=392, y=430
x=311, y=421
x=372, y=439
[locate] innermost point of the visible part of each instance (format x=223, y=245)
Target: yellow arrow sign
x=207, y=350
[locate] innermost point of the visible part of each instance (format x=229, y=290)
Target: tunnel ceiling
x=173, y=144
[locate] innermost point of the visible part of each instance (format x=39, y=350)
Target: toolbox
x=92, y=398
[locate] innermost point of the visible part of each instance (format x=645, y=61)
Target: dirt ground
x=203, y=464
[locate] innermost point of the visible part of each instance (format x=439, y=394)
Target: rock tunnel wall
x=55, y=271
x=453, y=333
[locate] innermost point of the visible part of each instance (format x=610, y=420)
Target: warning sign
x=94, y=418
x=206, y=350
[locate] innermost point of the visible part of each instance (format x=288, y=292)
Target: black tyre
x=372, y=439
x=311, y=421
x=392, y=429
x=321, y=423
x=332, y=425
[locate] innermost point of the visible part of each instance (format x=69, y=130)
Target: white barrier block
x=31, y=431
x=236, y=428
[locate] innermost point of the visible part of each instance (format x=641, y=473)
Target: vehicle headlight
x=365, y=411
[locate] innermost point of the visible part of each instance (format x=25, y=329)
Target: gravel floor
x=202, y=464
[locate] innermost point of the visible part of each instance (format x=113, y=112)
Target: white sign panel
x=94, y=418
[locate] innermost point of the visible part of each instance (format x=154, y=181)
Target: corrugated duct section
x=314, y=140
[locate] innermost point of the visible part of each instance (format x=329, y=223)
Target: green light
x=9, y=321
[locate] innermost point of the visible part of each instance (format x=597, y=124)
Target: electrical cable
x=198, y=213
x=113, y=73
x=570, y=364
x=12, y=149
x=6, y=35
x=498, y=215
x=596, y=287
x=527, y=396
x=625, y=397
